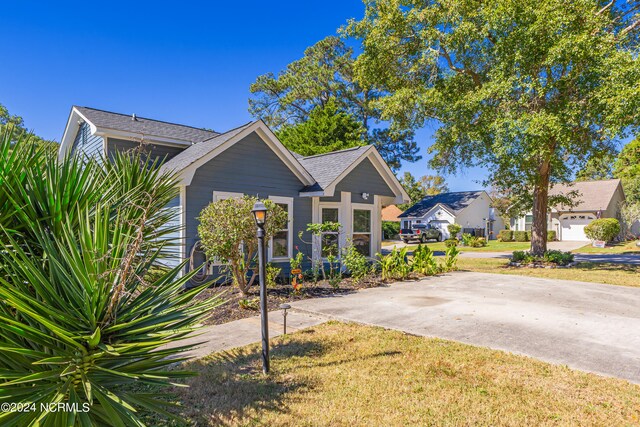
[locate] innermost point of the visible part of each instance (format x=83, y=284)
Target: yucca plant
x=82, y=323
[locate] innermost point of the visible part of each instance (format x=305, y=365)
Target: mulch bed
x=231, y=309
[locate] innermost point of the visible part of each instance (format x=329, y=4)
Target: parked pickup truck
x=420, y=232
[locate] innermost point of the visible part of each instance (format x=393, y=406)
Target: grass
x=612, y=274
x=616, y=248
x=349, y=375
x=492, y=246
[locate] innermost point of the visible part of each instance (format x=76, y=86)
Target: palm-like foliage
x=81, y=320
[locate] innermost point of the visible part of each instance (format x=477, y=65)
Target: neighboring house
x=391, y=213
x=470, y=209
x=593, y=199
x=349, y=186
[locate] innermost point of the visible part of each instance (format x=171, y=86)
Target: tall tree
x=326, y=129
x=527, y=89
x=598, y=167
x=627, y=168
x=325, y=72
x=427, y=185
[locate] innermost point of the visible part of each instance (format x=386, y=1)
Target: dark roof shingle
x=144, y=126
x=325, y=168
x=453, y=201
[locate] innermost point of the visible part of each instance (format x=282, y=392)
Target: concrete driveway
x=586, y=326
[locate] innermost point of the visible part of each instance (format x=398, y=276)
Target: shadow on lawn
x=230, y=385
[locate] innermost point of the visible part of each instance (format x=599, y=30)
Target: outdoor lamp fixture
x=284, y=308
x=260, y=215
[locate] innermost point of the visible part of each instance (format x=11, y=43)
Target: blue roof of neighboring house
x=455, y=202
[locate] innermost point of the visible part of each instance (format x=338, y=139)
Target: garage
x=573, y=226
x=441, y=224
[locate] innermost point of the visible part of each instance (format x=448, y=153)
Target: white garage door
x=573, y=226
x=441, y=224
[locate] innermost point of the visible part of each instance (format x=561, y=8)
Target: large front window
x=329, y=239
x=362, y=231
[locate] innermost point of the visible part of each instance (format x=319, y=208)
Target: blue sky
x=186, y=62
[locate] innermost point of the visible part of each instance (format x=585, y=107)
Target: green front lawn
x=339, y=374
x=612, y=274
x=492, y=246
x=616, y=248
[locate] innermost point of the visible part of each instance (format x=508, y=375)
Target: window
x=329, y=240
x=282, y=241
x=362, y=231
x=528, y=221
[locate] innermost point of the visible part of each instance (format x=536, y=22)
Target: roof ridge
x=338, y=151
x=229, y=131
x=147, y=118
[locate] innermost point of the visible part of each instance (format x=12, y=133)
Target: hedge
x=521, y=236
x=551, y=236
x=505, y=236
x=603, y=229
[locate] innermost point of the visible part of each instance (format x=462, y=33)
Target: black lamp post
x=260, y=215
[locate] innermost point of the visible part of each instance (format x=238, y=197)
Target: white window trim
x=330, y=205
x=289, y=202
x=372, y=221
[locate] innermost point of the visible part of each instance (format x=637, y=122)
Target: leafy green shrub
x=423, y=261
x=395, y=266
x=390, y=229
x=558, y=257
x=478, y=242
x=355, y=262
x=603, y=229
x=521, y=236
x=81, y=320
x=519, y=256
x=450, y=259
x=227, y=230
x=466, y=239
x=454, y=229
x=505, y=236
x=551, y=236
x=451, y=242
x=273, y=272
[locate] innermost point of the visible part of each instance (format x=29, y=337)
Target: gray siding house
x=343, y=185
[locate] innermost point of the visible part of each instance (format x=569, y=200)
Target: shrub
x=603, y=229
x=519, y=256
x=521, y=236
x=273, y=272
x=395, y=265
x=451, y=242
x=82, y=320
x=466, y=239
x=454, y=229
x=228, y=231
x=558, y=257
x=478, y=242
x=356, y=264
x=450, y=259
x=505, y=236
x=424, y=262
x=551, y=236
x=390, y=229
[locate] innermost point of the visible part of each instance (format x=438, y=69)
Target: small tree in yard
x=603, y=229
x=228, y=231
x=454, y=229
x=528, y=90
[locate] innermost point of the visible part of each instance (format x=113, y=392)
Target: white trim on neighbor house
x=381, y=167
x=289, y=202
x=261, y=129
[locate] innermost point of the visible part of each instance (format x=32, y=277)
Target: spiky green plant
x=81, y=321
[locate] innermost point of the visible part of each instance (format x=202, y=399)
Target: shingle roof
x=144, y=126
x=591, y=195
x=391, y=213
x=453, y=201
x=325, y=168
x=196, y=151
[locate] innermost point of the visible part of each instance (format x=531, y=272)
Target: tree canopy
x=417, y=189
x=529, y=90
x=627, y=168
x=326, y=129
x=325, y=73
